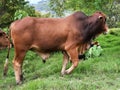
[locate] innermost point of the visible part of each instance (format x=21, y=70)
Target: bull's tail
x=7, y=58
x=6, y=62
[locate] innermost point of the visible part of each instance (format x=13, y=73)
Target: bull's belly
x=46, y=49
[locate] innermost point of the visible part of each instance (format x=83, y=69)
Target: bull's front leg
x=73, y=53
x=18, y=72
x=17, y=64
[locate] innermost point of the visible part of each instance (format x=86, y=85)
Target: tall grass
x=98, y=73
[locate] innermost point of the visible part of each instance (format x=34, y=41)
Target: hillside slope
x=98, y=73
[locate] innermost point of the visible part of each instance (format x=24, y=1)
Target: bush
x=115, y=31
x=19, y=14
x=94, y=51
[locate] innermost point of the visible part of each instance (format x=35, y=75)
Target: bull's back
x=41, y=32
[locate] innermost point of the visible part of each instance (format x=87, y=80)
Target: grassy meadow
x=98, y=73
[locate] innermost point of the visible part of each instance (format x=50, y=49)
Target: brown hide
x=45, y=35
x=4, y=41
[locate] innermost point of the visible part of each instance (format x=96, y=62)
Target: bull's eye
x=6, y=36
x=1, y=34
x=105, y=19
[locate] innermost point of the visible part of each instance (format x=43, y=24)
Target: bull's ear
x=100, y=17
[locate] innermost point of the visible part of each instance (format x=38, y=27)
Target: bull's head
x=4, y=41
x=102, y=20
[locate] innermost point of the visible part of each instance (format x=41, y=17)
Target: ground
x=97, y=73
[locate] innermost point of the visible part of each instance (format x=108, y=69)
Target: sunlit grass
x=98, y=73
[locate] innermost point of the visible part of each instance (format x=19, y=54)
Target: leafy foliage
x=88, y=6
x=20, y=14
x=110, y=7
x=8, y=9
x=94, y=51
x=114, y=15
x=58, y=6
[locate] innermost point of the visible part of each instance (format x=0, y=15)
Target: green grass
x=98, y=73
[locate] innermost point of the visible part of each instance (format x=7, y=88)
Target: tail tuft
x=5, y=67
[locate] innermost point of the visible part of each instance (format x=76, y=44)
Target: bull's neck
x=90, y=31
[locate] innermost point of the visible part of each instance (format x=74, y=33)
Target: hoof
x=19, y=83
x=21, y=80
x=21, y=77
x=44, y=61
x=64, y=73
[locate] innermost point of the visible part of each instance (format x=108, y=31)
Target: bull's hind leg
x=17, y=64
x=65, y=62
x=73, y=53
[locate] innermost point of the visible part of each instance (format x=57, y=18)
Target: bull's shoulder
x=22, y=22
x=13, y=24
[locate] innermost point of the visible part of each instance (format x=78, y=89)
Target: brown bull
x=46, y=35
